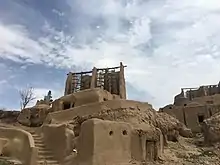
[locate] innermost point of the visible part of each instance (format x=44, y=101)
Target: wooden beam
x=98, y=69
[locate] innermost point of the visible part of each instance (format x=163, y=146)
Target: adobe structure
x=91, y=124
x=193, y=105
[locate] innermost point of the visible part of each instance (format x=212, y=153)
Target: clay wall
x=206, y=99
x=174, y=111
x=68, y=115
x=148, y=145
x=189, y=114
x=102, y=142
x=21, y=145
x=81, y=98
x=56, y=140
x=192, y=115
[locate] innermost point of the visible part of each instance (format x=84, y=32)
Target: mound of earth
x=211, y=129
x=34, y=116
x=135, y=116
x=9, y=116
x=187, y=152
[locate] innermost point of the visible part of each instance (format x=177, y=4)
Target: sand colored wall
x=192, y=117
x=102, y=142
x=81, y=98
x=147, y=144
x=56, y=140
x=68, y=115
x=189, y=114
x=20, y=145
x=109, y=142
x=203, y=100
x=175, y=111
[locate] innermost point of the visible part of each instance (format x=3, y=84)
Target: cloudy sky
x=166, y=44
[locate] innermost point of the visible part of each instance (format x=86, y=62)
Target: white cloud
x=167, y=44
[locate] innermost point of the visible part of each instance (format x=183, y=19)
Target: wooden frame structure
x=110, y=79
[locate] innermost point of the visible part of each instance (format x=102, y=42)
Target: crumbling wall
x=19, y=145
x=175, y=111
x=211, y=129
x=33, y=116
x=146, y=143
x=192, y=114
x=121, y=110
x=110, y=142
x=102, y=142
x=111, y=106
x=82, y=98
x=9, y=116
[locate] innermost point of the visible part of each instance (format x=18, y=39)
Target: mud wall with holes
x=18, y=144
x=102, y=141
x=81, y=98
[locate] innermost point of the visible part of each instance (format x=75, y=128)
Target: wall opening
x=150, y=151
x=111, y=133
x=170, y=107
x=105, y=99
x=124, y=132
x=210, y=112
x=209, y=102
x=185, y=105
x=201, y=118
x=66, y=106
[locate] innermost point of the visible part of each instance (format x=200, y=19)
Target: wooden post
x=94, y=78
x=122, y=87
x=68, y=83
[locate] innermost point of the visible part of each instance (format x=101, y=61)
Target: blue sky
x=166, y=44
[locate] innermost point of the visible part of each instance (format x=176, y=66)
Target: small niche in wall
x=66, y=106
x=201, y=118
x=209, y=102
x=124, y=132
x=170, y=107
x=185, y=105
x=104, y=99
x=110, y=133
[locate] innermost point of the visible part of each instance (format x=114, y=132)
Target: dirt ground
x=190, y=151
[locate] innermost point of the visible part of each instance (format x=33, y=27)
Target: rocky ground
x=190, y=151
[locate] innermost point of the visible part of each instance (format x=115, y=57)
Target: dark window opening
x=170, y=107
x=66, y=106
x=111, y=133
x=209, y=102
x=185, y=104
x=124, y=132
x=200, y=118
x=105, y=99
x=210, y=112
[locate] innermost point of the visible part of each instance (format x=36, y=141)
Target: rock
x=34, y=116
x=9, y=116
x=211, y=129
x=185, y=132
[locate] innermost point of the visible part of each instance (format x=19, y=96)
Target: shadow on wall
x=18, y=144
